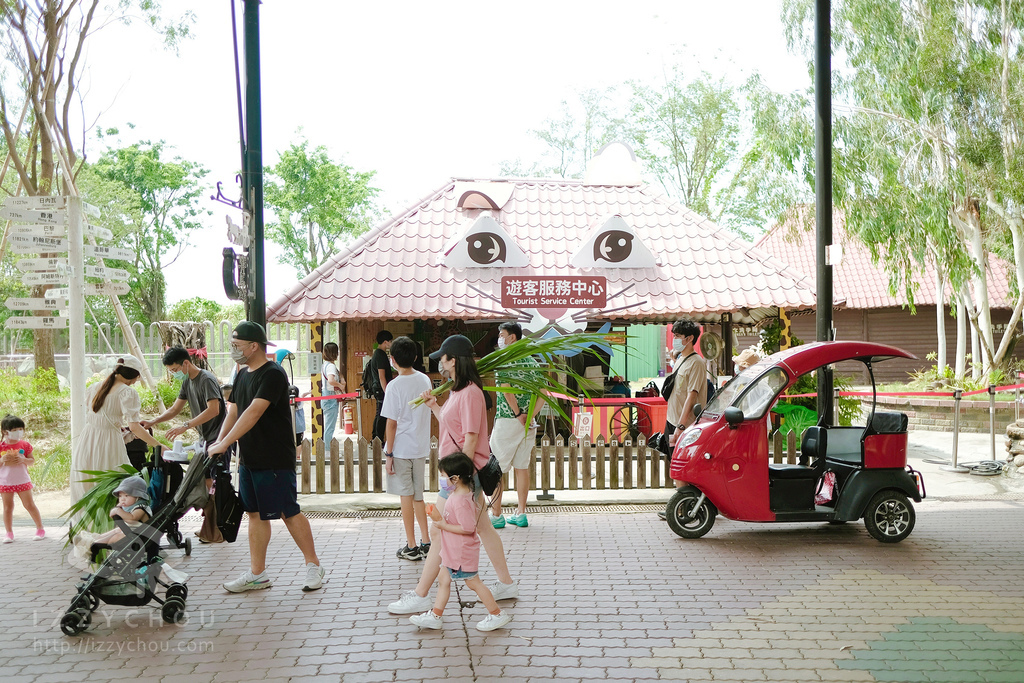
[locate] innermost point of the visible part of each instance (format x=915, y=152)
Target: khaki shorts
x=408, y=477
x=511, y=444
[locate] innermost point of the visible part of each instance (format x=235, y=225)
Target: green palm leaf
x=94, y=506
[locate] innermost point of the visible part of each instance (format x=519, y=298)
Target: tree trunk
x=940, y=319
x=961, y=339
x=189, y=335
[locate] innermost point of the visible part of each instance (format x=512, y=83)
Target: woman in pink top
x=462, y=427
x=460, y=546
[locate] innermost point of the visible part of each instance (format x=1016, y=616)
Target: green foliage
x=196, y=309
x=36, y=399
x=52, y=470
x=152, y=206
x=94, y=507
x=168, y=390
x=318, y=203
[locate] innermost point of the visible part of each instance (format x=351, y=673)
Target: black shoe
x=662, y=516
x=408, y=553
x=424, y=549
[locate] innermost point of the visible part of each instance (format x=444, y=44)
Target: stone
x=1018, y=461
x=1015, y=432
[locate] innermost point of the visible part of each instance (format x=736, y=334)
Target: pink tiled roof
x=859, y=281
x=393, y=272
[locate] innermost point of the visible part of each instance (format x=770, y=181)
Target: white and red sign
x=554, y=291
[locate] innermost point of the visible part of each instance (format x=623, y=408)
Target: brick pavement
x=603, y=597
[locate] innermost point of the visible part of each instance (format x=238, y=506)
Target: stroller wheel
x=177, y=590
x=188, y=547
x=93, y=601
x=174, y=536
x=173, y=610
x=72, y=623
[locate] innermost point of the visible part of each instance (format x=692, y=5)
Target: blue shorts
x=477, y=491
x=459, y=574
x=271, y=493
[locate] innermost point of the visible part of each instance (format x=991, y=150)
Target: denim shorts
x=271, y=493
x=459, y=574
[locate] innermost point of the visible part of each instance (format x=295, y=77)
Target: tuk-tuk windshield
x=752, y=391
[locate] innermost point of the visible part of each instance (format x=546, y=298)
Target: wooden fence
x=357, y=466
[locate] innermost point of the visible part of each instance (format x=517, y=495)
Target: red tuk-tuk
x=722, y=459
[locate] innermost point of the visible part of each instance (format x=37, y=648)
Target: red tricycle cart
x=722, y=467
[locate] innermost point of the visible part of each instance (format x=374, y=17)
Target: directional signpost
x=45, y=217
x=35, y=303
x=116, y=253
x=35, y=322
x=28, y=265
x=108, y=273
x=39, y=230
x=25, y=244
x=93, y=289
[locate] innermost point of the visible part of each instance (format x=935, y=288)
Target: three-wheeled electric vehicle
x=722, y=459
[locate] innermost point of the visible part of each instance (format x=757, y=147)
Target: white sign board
x=36, y=202
x=29, y=216
x=44, y=279
x=116, y=253
x=93, y=289
x=97, y=231
x=108, y=273
x=35, y=322
x=90, y=209
x=30, y=265
x=34, y=304
x=39, y=230
x=31, y=244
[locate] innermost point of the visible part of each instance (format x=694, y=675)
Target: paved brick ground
x=604, y=597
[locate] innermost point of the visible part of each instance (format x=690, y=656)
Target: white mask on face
x=15, y=435
x=501, y=342
x=677, y=344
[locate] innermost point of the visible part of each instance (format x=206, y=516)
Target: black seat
x=814, y=445
x=889, y=423
x=792, y=472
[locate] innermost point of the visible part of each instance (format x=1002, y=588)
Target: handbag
x=489, y=475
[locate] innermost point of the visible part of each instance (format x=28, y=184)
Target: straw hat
x=746, y=359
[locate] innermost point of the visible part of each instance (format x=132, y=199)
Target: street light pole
x=823, y=191
x=253, y=171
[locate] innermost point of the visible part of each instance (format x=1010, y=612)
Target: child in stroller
x=132, y=496
x=133, y=568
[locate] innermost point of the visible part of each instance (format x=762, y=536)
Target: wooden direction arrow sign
x=35, y=304
x=37, y=322
x=97, y=231
x=36, y=202
x=44, y=278
x=31, y=244
x=39, y=230
x=108, y=273
x=28, y=265
x=93, y=289
x=29, y=216
x=110, y=252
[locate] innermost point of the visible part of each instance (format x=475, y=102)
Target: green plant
x=849, y=406
x=52, y=471
x=93, y=509
x=36, y=398
x=167, y=389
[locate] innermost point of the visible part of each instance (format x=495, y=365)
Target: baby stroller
x=165, y=478
x=130, y=573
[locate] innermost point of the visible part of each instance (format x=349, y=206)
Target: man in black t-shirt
x=382, y=366
x=259, y=419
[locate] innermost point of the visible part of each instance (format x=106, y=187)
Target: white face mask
x=15, y=435
x=677, y=344
x=238, y=356
x=501, y=343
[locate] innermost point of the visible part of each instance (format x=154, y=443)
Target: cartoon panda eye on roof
x=613, y=244
x=484, y=244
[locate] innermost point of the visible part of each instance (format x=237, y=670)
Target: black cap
x=453, y=346
x=249, y=331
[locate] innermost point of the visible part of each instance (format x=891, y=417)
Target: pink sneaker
x=40, y=534
x=9, y=537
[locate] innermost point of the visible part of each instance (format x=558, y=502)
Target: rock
x=1018, y=461
x=1015, y=432
x=1016, y=448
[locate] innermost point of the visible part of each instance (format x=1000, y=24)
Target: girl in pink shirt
x=15, y=458
x=460, y=546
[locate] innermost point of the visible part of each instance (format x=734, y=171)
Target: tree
x=927, y=163
x=45, y=49
x=318, y=202
x=196, y=309
x=152, y=206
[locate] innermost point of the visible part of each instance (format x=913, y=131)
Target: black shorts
x=272, y=493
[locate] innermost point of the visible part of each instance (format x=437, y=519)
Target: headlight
x=690, y=436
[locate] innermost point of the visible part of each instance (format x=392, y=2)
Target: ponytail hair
x=108, y=384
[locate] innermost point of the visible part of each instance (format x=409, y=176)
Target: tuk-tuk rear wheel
x=890, y=516
x=680, y=506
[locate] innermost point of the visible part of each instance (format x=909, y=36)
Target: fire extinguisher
x=347, y=413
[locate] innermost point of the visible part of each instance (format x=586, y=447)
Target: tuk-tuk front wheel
x=890, y=516
x=683, y=519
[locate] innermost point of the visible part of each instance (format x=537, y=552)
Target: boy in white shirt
x=407, y=444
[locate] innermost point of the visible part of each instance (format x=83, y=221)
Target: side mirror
x=697, y=409
x=734, y=416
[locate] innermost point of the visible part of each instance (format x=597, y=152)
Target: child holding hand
x=460, y=546
x=15, y=459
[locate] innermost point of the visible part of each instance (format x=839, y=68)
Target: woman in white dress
x=110, y=406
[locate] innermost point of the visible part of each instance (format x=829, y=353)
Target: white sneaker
x=427, y=620
x=314, y=577
x=410, y=603
x=493, y=621
x=247, y=582
x=504, y=591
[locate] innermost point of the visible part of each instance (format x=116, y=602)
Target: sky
x=419, y=92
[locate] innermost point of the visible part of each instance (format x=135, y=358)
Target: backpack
x=711, y=392
x=229, y=506
x=369, y=380
x=670, y=381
